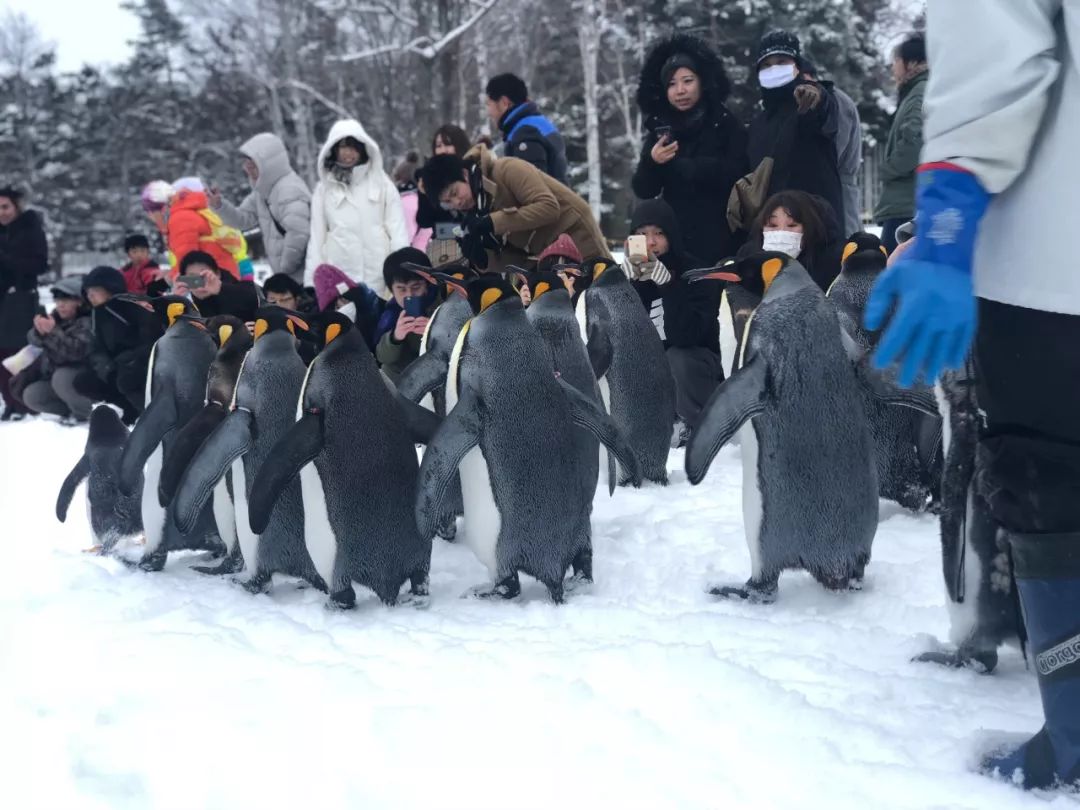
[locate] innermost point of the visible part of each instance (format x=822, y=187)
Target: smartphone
x=638, y=248
x=414, y=306
x=445, y=230
x=663, y=132
x=192, y=282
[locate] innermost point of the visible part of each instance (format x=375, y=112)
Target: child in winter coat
x=142, y=275
x=399, y=332
x=65, y=339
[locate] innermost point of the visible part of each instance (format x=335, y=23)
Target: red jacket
x=189, y=230
x=138, y=279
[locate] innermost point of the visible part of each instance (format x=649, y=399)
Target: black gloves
x=478, y=236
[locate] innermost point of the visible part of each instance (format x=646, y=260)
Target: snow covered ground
x=120, y=689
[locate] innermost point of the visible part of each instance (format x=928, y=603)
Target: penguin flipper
x=920, y=398
x=600, y=350
x=458, y=434
x=421, y=423
x=587, y=414
x=71, y=483
x=422, y=376
x=303, y=441
x=230, y=440
x=156, y=421
x=739, y=398
x=184, y=446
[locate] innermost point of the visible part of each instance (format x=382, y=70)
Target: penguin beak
x=451, y=282
x=570, y=269
x=421, y=271
x=712, y=274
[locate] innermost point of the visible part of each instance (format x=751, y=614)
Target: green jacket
x=395, y=357
x=902, y=154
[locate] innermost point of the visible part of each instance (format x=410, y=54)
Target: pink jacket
x=418, y=237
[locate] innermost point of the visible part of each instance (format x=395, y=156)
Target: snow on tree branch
x=425, y=47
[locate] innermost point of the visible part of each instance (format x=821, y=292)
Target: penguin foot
x=754, y=593
x=155, y=561
x=96, y=549
x=255, y=584
x=447, y=530
x=227, y=566
x=140, y=540
x=508, y=588
x=578, y=583
x=982, y=661
x=417, y=601
x=342, y=600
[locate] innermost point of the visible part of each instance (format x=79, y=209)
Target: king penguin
x=113, y=515
x=628, y=359
x=974, y=552
x=552, y=314
x=906, y=442
x=809, y=477
x=234, y=341
x=261, y=411
x=526, y=508
x=175, y=393
x=352, y=445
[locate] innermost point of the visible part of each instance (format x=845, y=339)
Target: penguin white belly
x=728, y=343
x=319, y=536
x=751, y=495
x=249, y=541
x=482, y=519
x=605, y=397
x=945, y=410
x=964, y=616
x=223, y=515
x=153, y=513
x=428, y=401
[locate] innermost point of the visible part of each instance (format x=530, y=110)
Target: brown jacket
x=530, y=209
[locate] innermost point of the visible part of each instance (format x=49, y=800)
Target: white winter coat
x=1003, y=102
x=355, y=227
x=279, y=206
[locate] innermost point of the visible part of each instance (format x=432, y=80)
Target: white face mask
x=788, y=242
x=777, y=76
x=349, y=311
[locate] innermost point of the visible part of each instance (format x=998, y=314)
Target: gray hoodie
x=279, y=206
x=1003, y=102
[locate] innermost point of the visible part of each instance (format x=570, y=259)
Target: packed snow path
x=121, y=689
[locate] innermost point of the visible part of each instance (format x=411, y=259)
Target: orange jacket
x=189, y=230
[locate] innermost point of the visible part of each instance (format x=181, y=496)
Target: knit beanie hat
x=330, y=282
x=108, y=278
x=674, y=62
x=782, y=43
x=188, y=184
x=68, y=287
x=394, y=266
x=156, y=195
x=563, y=246
x=135, y=240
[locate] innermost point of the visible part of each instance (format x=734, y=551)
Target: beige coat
x=530, y=209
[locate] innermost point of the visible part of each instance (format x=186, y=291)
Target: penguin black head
x=459, y=271
x=754, y=270
x=106, y=426
x=864, y=253
x=540, y=283
x=593, y=269
x=335, y=327
x=230, y=331
x=277, y=319
x=484, y=291
x=173, y=309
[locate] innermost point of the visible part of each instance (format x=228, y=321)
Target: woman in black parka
x=694, y=148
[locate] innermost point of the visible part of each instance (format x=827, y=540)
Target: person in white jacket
x=356, y=215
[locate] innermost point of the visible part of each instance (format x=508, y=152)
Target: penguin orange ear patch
x=541, y=288
x=224, y=333
x=174, y=311
x=849, y=248
x=299, y=322
x=261, y=326
x=332, y=331
x=770, y=270
x=490, y=297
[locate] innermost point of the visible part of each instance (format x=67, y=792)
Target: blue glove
x=934, y=322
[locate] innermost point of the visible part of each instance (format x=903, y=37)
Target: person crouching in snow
x=336, y=291
x=142, y=275
x=686, y=315
x=65, y=339
x=356, y=214
x=401, y=327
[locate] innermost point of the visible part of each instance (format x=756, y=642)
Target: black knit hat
x=782, y=43
x=661, y=215
x=440, y=173
x=394, y=269
x=676, y=61
x=108, y=278
x=135, y=240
